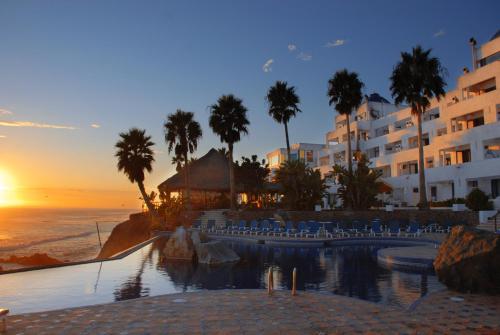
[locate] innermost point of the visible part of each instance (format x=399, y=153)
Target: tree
x=251, y=174
x=283, y=105
x=182, y=133
x=477, y=200
x=302, y=186
x=344, y=90
x=415, y=80
x=228, y=120
x=359, y=187
x=135, y=155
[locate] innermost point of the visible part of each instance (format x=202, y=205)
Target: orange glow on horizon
x=8, y=192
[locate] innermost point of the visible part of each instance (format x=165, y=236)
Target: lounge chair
x=330, y=229
x=290, y=229
x=254, y=227
x=444, y=228
x=413, y=230
x=376, y=229
x=265, y=227
x=276, y=229
x=313, y=229
x=242, y=227
x=302, y=228
x=394, y=229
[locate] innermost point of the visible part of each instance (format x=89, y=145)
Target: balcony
x=393, y=147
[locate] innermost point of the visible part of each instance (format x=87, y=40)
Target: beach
x=65, y=234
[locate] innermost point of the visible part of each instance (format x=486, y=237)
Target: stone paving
x=254, y=312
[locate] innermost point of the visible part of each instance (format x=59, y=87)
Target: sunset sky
x=73, y=74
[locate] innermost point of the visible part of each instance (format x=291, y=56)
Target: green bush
x=447, y=203
x=477, y=200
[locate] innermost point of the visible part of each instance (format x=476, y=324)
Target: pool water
x=348, y=270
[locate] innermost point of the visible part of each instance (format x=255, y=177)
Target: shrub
x=477, y=200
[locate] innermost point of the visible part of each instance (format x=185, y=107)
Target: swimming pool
x=345, y=270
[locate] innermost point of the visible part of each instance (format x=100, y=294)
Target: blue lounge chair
x=290, y=229
x=313, y=229
x=254, y=227
x=265, y=227
x=444, y=228
x=413, y=229
x=276, y=229
x=242, y=227
x=376, y=229
x=394, y=228
x=302, y=228
x=330, y=229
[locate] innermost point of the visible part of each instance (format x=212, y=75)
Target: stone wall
x=423, y=216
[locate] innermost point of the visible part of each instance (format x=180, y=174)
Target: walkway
x=253, y=312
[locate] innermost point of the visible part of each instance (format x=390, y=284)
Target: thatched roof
x=208, y=173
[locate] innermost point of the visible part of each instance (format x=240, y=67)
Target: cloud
x=158, y=152
x=28, y=124
x=292, y=47
x=335, y=43
x=304, y=56
x=5, y=112
x=267, y=65
x=95, y=125
x=439, y=33
x=3, y=136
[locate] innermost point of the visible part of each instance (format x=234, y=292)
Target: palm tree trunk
x=186, y=182
x=349, y=154
x=231, y=177
x=421, y=171
x=287, y=141
x=155, y=217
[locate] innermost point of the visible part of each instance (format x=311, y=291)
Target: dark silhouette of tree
x=228, y=119
x=415, y=80
x=182, y=134
x=251, y=174
x=135, y=155
x=344, y=90
x=283, y=105
x=302, y=186
x=358, y=188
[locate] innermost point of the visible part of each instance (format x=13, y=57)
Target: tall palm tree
x=228, y=119
x=344, y=90
x=415, y=80
x=283, y=105
x=135, y=155
x=182, y=133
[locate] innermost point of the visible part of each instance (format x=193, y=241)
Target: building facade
x=461, y=135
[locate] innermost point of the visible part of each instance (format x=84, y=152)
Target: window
x=413, y=141
x=382, y=131
x=393, y=147
x=441, y=131
x=402, y=124
x=473, y=183
x=408, y=168
x=373, y=152
x=309, y=156
x=467, y=121
x=429, y=162
x=415, y=190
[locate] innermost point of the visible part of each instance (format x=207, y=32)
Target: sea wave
x=47, y=240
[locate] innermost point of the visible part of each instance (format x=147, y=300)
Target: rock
x=215, y=252
x=36, y=259
x=180, y=246
x=127, y=234
x=469, y=261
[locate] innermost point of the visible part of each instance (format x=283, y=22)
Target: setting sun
x=7, y=189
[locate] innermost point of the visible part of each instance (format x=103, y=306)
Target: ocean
x=65, y=234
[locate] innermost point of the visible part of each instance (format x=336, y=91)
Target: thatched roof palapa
x=208, y=173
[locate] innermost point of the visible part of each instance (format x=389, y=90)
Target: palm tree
x=228, y=119
x=283, y=105
x=415, y=80
x=135, y=154
x=182, y=133
x=344, y=90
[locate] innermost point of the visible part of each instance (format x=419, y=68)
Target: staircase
x=217, y=215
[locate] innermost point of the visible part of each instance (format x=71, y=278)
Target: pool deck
x=254, y=312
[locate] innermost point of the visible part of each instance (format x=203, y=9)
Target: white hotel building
x=461, y=134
